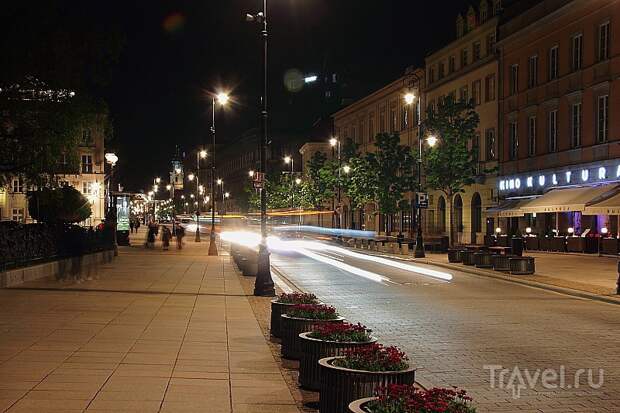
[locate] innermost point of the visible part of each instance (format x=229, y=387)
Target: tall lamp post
x=111, y=158
x=335, y=144
x=289, y=160
x=222, y=99
x=410, y=98
x=264, y=283
x=199, y=155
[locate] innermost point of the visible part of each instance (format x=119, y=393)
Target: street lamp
x=251, y=173
x=346, y=169
x=410, y=98
x=222, y=99
x=111, y=159
x=335, y=144
x=201, y=154
x=157, y=180
x=264, y=283
x=289, y=160
x=191, y=176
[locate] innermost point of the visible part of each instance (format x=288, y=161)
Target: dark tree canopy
x=60, y=205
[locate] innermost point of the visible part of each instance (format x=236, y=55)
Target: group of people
x=177, y=232
x=134, y=224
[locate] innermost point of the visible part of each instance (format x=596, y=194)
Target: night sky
x=176, y=52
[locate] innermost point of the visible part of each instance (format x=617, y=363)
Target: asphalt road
x=512, y=347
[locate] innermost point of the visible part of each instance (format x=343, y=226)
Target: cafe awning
x=570, y=199
x=509, y=208
x=609, y=206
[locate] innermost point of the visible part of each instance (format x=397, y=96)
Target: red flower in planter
x=297, y=298
x=313, y=311
x=407, y=399
x=375, y=357
x=341, y=332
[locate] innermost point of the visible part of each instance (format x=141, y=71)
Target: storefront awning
x=610, y=206
x=509, y=208
x=570, y=199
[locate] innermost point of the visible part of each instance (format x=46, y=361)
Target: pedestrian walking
x=165, y=238
x=137, y=225
x=180, y=235
x=131, y=225
x=151, y=235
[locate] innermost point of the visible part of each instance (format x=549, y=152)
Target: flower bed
x=300, y=318
x=408, y=399
x=361, y=373
x=332, y=339
x=282, y=303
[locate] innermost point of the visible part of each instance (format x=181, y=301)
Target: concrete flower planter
x=341, y=386
x=291, y=327
x=358, y=406
x=277, y=309
x=313, y=349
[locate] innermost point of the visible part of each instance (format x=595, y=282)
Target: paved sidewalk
x=153, y=332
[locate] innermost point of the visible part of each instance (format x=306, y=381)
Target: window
x=17, y=185
x=87, y=164
x=86, y=188
x=514, y=79
x=553, y=63
x=441, y=71
x=362, y=131
x=602, y=111
x=431, y=106
x=353, y=136
x=490, y=144
x=371, y=128
x=18, y=214
x=431, y=75
x=603, y=41
x=451, y=64
x=489, y=88
x=513, y=141
x=476, y=91
x=404, y=117
x=532, y=74
x=531, y=136
x=393, y=121
x=576, y=125
x=552, y=130
x=576, y=52
x=490, y=44
x=476, y=51
x=464, y=94
x=382, y=122
x=86, y=137
x=464, y=58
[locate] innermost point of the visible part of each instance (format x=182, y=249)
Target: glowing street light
x=251, y=173
x=333, y=141
x=202, y=154
x=191, y=177
x=409, y=98
x=157, y=180
x=222, y=98
x=227, y=194
x=431, y=140
x=168, y=187
x=219, y=181
x=287, y=159
x=297, y=181
x=346, y=169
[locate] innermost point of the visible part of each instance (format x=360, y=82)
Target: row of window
x=476, y=92
x=602, y=128
x=88, y=188
x=553, y=65
x=464, y=59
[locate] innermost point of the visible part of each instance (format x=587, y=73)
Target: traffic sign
x=259, y=177
x=258, y=185
x=422, y=200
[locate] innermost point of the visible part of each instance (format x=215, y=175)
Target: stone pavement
x=153, y=332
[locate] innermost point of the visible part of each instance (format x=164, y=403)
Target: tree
x=320, y=185
x=391, y=173
x=451, y=165
x=58, y=206
x=40, y=131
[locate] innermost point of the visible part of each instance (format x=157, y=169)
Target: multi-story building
x=88, y=176
x=467, y=69
x=559, y=97
x=383, y=111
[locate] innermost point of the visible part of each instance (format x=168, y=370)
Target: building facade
x=467, y=69
x=89, y=178
x=560, y=129
x=383, y=111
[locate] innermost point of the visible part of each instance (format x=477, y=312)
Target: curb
x=482, y=273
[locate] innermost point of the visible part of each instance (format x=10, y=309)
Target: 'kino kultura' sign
x=536, y=182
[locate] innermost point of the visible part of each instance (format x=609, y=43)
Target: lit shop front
x=574, y=209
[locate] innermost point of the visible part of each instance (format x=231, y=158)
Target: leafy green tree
x=58, y=206
x=391, y=173
x=39, y=138
x=319, y=187
x=451, y=164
